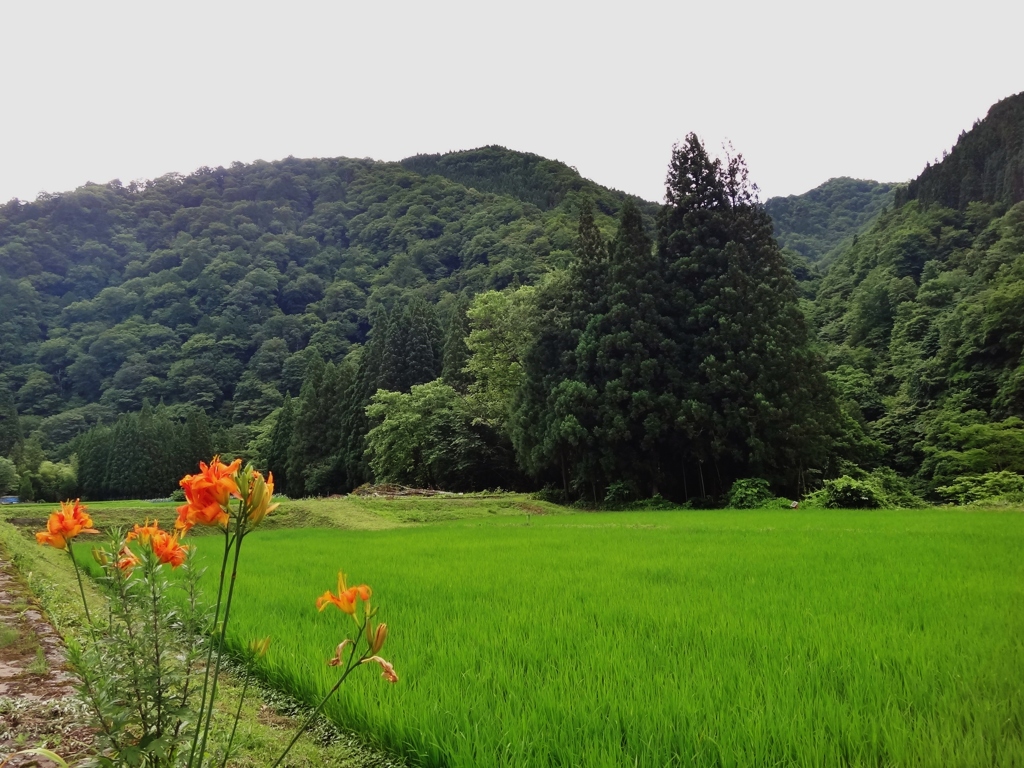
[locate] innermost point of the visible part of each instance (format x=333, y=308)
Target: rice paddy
x=724, y=638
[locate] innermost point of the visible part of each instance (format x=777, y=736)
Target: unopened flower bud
x=378, y=638
x=258, y=648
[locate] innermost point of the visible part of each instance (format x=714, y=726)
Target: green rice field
x=720, y=638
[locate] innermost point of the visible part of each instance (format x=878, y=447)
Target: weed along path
x=36, y=690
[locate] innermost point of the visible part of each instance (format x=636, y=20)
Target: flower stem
x=81, y=590
x=239, y=534
x=209, y=654
x=238, y=714
x=320, y=706
x=158, y=694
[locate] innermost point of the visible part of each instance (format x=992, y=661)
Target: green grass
x=8, y=636
x=721, y=638
x=348, y=512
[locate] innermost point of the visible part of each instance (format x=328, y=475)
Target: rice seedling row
x=671, y=638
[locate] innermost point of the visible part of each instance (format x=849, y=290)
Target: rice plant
x=726, y=638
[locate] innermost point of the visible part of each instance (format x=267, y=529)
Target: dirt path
x=37, y=706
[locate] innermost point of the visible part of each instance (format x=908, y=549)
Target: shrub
x=618, y=494
x=551, y=495
x=883, y=488
x=992, y=487
x=894, y=491
x=655, y=503
x=846, y=493
x=749, y=494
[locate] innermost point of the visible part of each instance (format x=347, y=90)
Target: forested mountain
x=524, y=176
x=176, y=289
x=489, y=318
x=818, y=223
x=922, y=318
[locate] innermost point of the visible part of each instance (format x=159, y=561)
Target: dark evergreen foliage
x=10, y=427
x=986, y=164
x=455, y=353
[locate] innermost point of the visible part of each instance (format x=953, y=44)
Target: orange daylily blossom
x=165, y=545
x=389, y=673
x=144, y=532
x=346, y=597
x=126, y=560
x=260, y=494
x=207, y=494
x=65, y=524
x=168, y=548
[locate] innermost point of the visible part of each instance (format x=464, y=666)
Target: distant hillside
x=923, y=317
x=522, y=175
x=213, y=288
x=816, y=223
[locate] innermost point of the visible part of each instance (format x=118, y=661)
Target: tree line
x=668, y=365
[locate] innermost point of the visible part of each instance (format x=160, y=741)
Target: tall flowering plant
x=151, y=687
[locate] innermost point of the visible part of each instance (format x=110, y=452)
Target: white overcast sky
x=93, y=91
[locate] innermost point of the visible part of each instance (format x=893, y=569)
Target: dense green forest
x=922, y=319
x=820, y=223
x=489, y=318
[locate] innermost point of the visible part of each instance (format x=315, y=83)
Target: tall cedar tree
x=10, y=430
x=308, y=433
x=354, y=423
x=754, y=397
x=409, y=356
x=280, y=443
x=455, y=353
x=621, y=357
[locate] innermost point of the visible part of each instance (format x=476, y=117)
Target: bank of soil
x=37, y=703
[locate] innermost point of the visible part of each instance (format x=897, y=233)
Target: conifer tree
x=408, y=357
x=455, y=352
x=125, y=473
x=553, y=416
x=424, y=316
x=621, y=356
x=307, y=434
x=752, y=394
x=354, y=423
x=280, y=442
x=10, y=429
x=93, y=450
x=197, y=439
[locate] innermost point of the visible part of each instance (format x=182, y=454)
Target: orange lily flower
x=165, y=545
x=127, y=560
x=144, y=532
x=260, y=494
x=207, y=494
x=65, y=524
x=346, y=597
x=168, y=549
